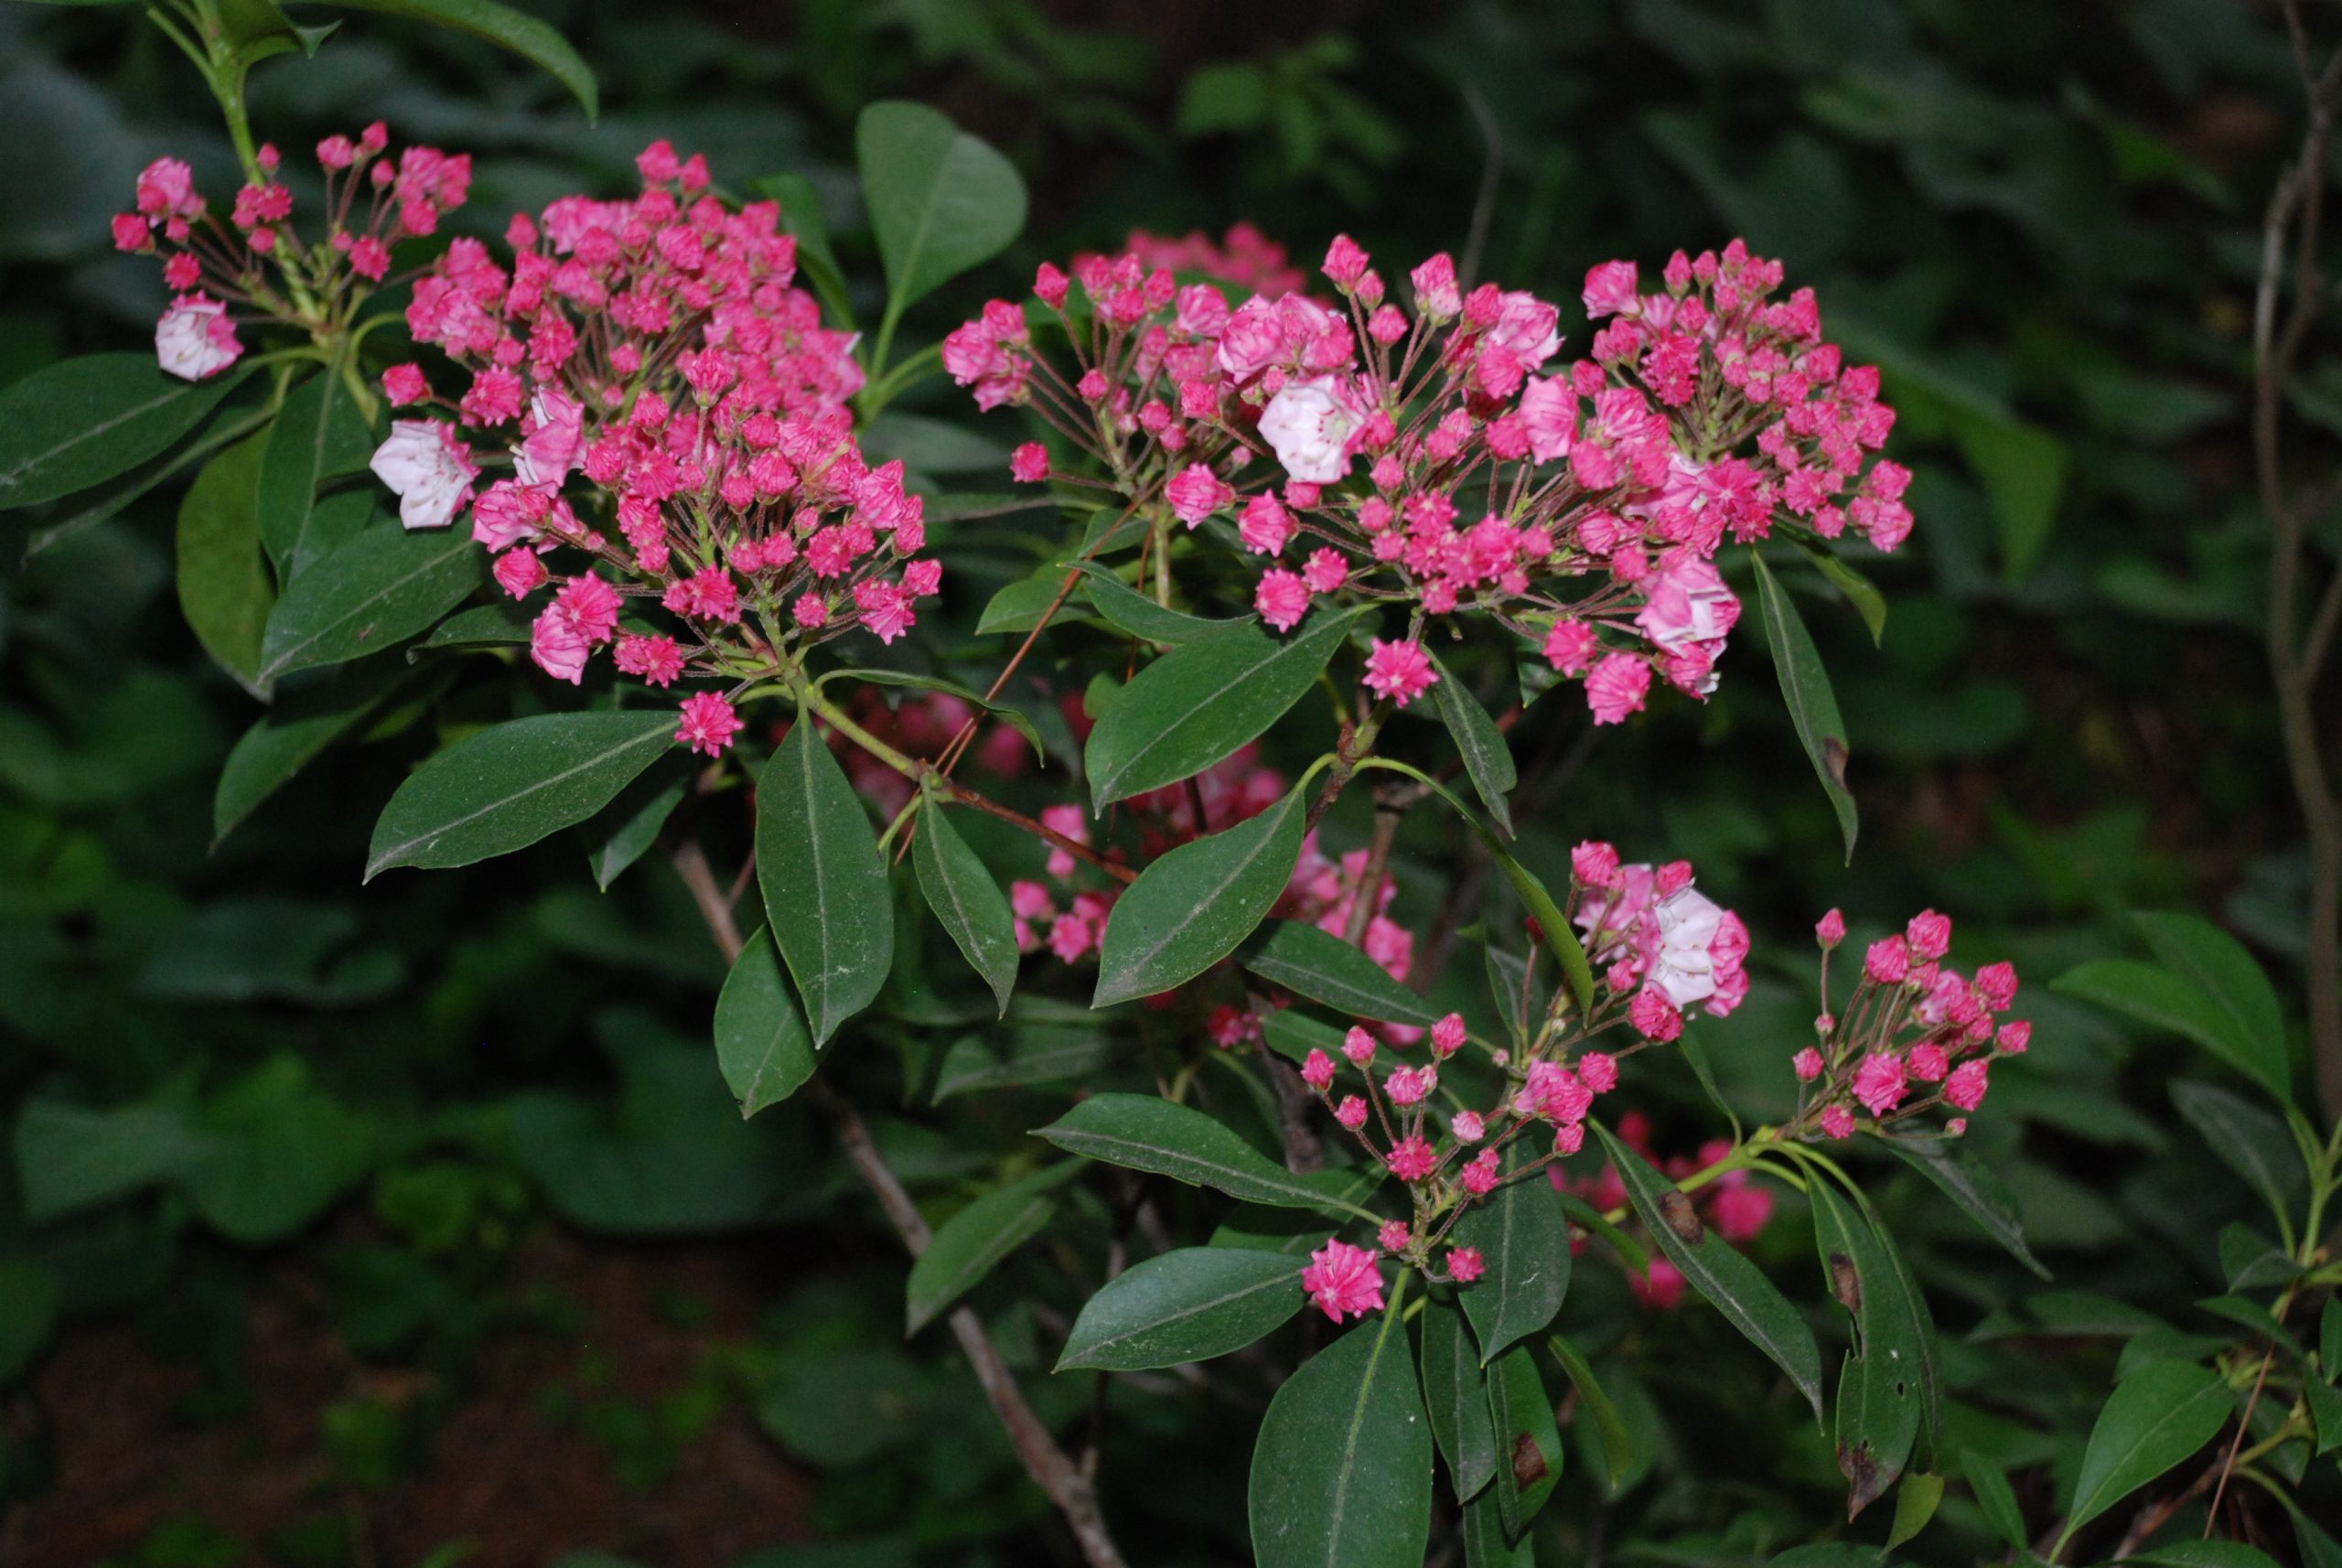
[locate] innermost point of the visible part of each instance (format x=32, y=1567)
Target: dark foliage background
x=373, y=1222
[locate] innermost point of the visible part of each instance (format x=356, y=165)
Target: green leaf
x=623, y=831
x=966, y=900
x=317, y=436
x=73, y=1157
x=1868, y=602
x=1019, y=607
x=1039, y=1051
x=503, y=623
x=940, y=201
x=1321, y=966
x=1201, y=700
x=2326, y=1407
x=1142, y=1132
x=2205, y=1554
x=1456, y=1391
x=225, y=590
x=2154, y=995
x=1487, y=760
x=1617, y=1443
x=1484, y=1542
x=1528, y=1448
x=293, y=734
x=1191, y=907
x=1185, y=1306
x=1341, y=1470
x=1805, y=686
x=82, y=421
x=373, y=593
x=1013, y=717
x=761, y=1045
x=1129, y=610
x=504, y=788
x=2022, y=467
x=1980, y=1193
x=1879, y=1389
x=2217, y=965
x=2155, y=1419
x=1524, y=1239
x=2248, y=1140
x=280, y=1152
x=29, y=1293
x=1915, y=1505
x=971, y=1243
x=1733, y=1284
x=1995, y=1498
x=2330, y=1339
x=532, y=39
x=825, y=880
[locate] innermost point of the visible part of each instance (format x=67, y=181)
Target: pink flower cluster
x=659, y=347
x=257, y=261
x=1732, y=1204
x=1442, y=461
x=1915, y=1035
x=1657, y=940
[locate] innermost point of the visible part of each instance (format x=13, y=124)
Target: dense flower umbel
x=1915, y=1035
x=659, y=347
x=1444, y=461
x=257, y=263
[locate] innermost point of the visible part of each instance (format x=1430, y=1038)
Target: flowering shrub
x=640, y=426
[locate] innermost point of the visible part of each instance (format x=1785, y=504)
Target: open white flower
x=429, y=468
x=1310, y=423
x=195, y=338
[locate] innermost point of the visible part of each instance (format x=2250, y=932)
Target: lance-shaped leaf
x=761, y=1045
x=317, y=436
x=1487, y=760
x=1142, y=1132
x=2155, y=996
x=1341, y=1470
x=972, y=1242
x=1201, y=700
x=294, y=733
x=1321, y=966
x=1805, y=685
x=82, y=421
x=534, y=42
x=940, y=201
x=1456, y=1392
x=1185, y=1306
x=2248, y=1140
x=1981, y=1194
x=373, y=593
x=1528, y=1448
x=1193, y=905
x=2217, y=965
x=1485, y=1545
x=1127, y=609
x=1733, y=1284
x=2156, y=1417
x=1879, y=1395
x=824, y=881
x=967, y=902
x=225, y=590
x=1524, y=1242
x=504, y=788
x=1595, y=1400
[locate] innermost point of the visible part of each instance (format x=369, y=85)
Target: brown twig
x=1058, y=1477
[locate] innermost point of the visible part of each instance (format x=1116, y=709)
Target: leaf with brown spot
x=1682, y=1217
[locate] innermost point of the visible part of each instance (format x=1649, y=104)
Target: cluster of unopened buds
x=257, y=261
x=1916, y=1036
x=1582, y=509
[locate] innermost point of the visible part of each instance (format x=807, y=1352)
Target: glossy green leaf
x=967, y=902
x=2325, y=1410
x=1529, y=1446
x=940, y=201
x=1861, y=593
x=1813, y=706
x=972, y=1242
x=1129, y=610
x=1981, y=1194
x=824, y=881
x=2217, y=965
x=1191, y=907
x=1733, y=1284
x=294, y=733
x=1201, y=702
x=1915, y=1505
x=1184, y=1305
x=2154, y=995
x=1487, y=760
x=2248, y=1141
x=1321, y=966
x=2204, y=1554
x=761, y=1045
x=2154, y=1420
x=375, y=592
x=1879, y=1405
x=1142, y=1132
x=1456, y=1392
x=1341, y=1469
x=1995, y=1498
x=317, y=436
x=1013, y=717
x=534, y=42
x=225, y=590
x=1485, y=1545
x=504, y=788
x=501, y=624
x=1035, y=1050
x=1524, y=1240
x=624, y=830
x=82, y=421
x=1594, y=1401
